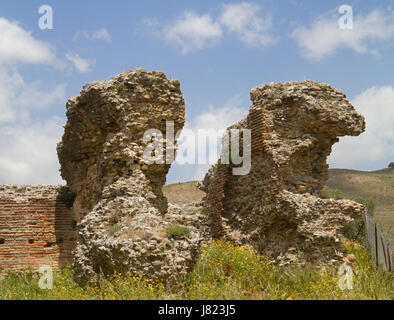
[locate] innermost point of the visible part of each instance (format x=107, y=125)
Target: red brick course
x=35, y=232
x=221, y=184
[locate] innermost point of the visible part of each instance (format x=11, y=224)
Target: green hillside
x=376, y=185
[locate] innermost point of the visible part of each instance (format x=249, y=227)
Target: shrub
x=112, y=229
x=67, y=196
x=366, y=202
x=353, y=230
x=176, y=231
x=331, y=193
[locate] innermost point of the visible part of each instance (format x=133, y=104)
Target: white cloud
x=192, y=32
x=27, y=148
x=34, y=97
x=222, y=117
x=101, y=34
x=18, y=98
x=219, y=119
x=324, y=36
x=28, y=153
x=17, y=45
x=242, y=19
x=215, y=121
x=82, y=65
x=375, y=147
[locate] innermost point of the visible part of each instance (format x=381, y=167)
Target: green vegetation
x=332, y=193
x=352, y=230
x=119, y=89
x=376, y=185
x=337, y=194
x=67, y=196
x=223, y=271
x=114, y=228
x=176, y=231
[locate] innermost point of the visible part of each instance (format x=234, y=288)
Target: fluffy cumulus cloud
x=18, y=98
x=19, y=46
x=192, y=31
x=325, y=36
x=28, y=152
x=28, y=146
x=375, y=147
x=244, y=21
x=82, y=65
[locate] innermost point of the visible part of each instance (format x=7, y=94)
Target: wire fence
x=377, y=245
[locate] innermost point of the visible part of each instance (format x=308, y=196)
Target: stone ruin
x=119, y=200
x=122, y=214
x=277, y=208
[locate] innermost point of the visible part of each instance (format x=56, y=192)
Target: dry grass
x=183, y=193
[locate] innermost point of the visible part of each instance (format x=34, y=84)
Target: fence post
x=384, y=253
x=376, y=246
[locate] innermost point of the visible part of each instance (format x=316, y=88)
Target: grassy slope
x=181, y=193
x=223, y=271
x=378, y=185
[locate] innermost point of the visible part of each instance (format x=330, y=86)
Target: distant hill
x=184, y=192
x=377, y=185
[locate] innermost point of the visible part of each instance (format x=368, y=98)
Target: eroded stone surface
x=17, y=192
x=119, y=198
x=276, y=207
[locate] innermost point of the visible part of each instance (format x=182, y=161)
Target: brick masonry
x=221, y=184
x=35, y=229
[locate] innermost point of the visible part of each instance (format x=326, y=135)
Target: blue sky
x=219, y=50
